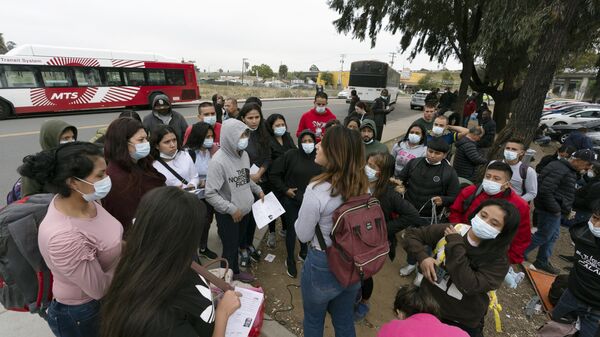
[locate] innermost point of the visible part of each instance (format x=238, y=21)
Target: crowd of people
x=133, y=208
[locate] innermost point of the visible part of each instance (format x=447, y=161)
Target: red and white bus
x=35, y=79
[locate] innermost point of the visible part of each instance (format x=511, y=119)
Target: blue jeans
x=74, y=320
x=322, y=293
x=589, y=317
x=548, y=225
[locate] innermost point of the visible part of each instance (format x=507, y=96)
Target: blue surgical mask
x=279, y=131
x=212, y=120
x=208, y=143
x=482, y=229
x=371, y=173
x=510, y=155
x=142, y=150
x=101, y=189
x=491, y=187
x=595, y=230
x=308, y=147
x=413, y=138
x=242, y=143
x=437, y=130
x=320, y=109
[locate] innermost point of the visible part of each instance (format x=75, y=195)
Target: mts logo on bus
x=64, y=95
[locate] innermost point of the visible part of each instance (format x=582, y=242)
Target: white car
x=418, y=99
x=572, y=117
x=343, y=94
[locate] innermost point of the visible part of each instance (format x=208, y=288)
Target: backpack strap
x=320, y=238
x=523, y=173
x=467, y=202
x=173, y=172
x=192, y=154
x=211, y=278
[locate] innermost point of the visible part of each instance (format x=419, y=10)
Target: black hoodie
x=294, y=169
x=584, y=279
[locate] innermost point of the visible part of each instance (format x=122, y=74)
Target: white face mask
x=101, y=189
x=371, y=173
x=510, y=155
x=168, y=156
x=208, y=143
x=591, y=174
x=66, y=141
x=491, y=187
x=243, y=143
x=482, y=229
x=437, y=130
x=142, y=150
x=308, y=147
x=212, y=120
x=279, y=131
x=595, y=230
x=320, y=109
x=414, y=138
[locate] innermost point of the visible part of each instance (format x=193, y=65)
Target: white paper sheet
x=240, y=323
x=254, y=169
x=267, y=211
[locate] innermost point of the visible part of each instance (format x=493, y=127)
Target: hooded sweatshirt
x=49, y=138
x=315, y=122
x=228, y=183
x=173, y=118
x=375, y=145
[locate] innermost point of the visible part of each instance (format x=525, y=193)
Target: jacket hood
x=231, y=131
x=164, y=100
x=306, y=132
x=371, y=124
x=51, y=131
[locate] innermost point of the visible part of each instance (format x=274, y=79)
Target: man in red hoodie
x=316, y=118
x=496, y=184
x=206, y=114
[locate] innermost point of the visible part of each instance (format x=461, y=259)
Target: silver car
x=418, y=99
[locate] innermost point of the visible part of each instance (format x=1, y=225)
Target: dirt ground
x=284, y=299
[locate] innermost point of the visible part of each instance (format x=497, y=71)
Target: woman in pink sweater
x=78, y=239
x=416, y=312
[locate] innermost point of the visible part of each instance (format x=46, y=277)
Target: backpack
x=359, y=240
x=558, y=287
x=15, y=193
x=25, y=280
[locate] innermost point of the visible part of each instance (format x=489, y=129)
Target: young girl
x=78, y=239
x=341, y=154
x=164, y=147
x=229, y=189
x=411, y=146
x=155, y=292
x=201, y=147
x=474, y=260
x=281, y=142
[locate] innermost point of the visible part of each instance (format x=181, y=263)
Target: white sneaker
x=408, y=269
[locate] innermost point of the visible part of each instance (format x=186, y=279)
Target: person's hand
x=450, y=230
x=237, y=216
x=571, y=215
x=261, y=196
x=437, y=200
x=291, y=193
x=202, y=183
x=229, y=303
x=428, y=269
x=255, y=177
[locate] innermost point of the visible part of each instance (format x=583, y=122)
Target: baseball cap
x=585, y=155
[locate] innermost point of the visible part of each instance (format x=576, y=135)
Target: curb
x=272, y=328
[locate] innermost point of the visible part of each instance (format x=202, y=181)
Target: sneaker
x=547, y=267
x=568, y=258
x=361, y=311
x=255, y=254
x=408, y=269
x=208, y=254
x=245, y=259
x=291, y=268
x=244, y=277
x=271, y=240
x=282, y=233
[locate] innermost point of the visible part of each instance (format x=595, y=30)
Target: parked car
x=418, y=99
x=570, y=107
x=560, y=133
x=344, y=94
x=573, y=117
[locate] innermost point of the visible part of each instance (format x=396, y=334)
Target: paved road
x=20, y=137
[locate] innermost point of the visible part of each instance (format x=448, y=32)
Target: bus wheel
x=5, y=110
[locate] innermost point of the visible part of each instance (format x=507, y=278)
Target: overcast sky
x=216, y=34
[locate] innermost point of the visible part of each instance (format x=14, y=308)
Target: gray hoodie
x=228, y=183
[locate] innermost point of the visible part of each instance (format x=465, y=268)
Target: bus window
x=134, y=77
x=87, y=77
x=175, y=77
x=56, y=77
x=113, y=78
x=156, y=77
x=20, y=77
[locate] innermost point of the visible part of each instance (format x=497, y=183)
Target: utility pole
x=393, y=56
x=243, y=69
x=341, y=71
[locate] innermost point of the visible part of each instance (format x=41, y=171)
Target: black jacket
x=467, y=158
x=379, y=110
x=294, y=169
x=584, y=280
x=585, y=196
x=277, y=150
x=545, y=161
x=489, y=133
x=424, y=181
x=556, y=187
x=353, y=101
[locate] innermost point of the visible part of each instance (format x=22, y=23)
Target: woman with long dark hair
x=154, y=291
x=127, y=151
x=165, y=149
x=471, y=260
x=341, y=153
x=413, y=145
x=78, y=239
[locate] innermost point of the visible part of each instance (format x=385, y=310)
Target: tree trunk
x=596, y=87
x=528, y=107
x=465, y=78
x=502, y=107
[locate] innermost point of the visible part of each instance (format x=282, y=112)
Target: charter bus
x=368, y=78
x=43, y=79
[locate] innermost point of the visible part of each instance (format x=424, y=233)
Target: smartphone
x=440, y=273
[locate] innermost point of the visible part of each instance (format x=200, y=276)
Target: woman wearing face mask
x=78, y=239
x=399, y=213
x=177, y=166
x=362, y=111
x=469, y=261
x=127, y=151
x=289, y=176
x=411, y=146
x=201, y=148
x=281, y=142
x=230, y=190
